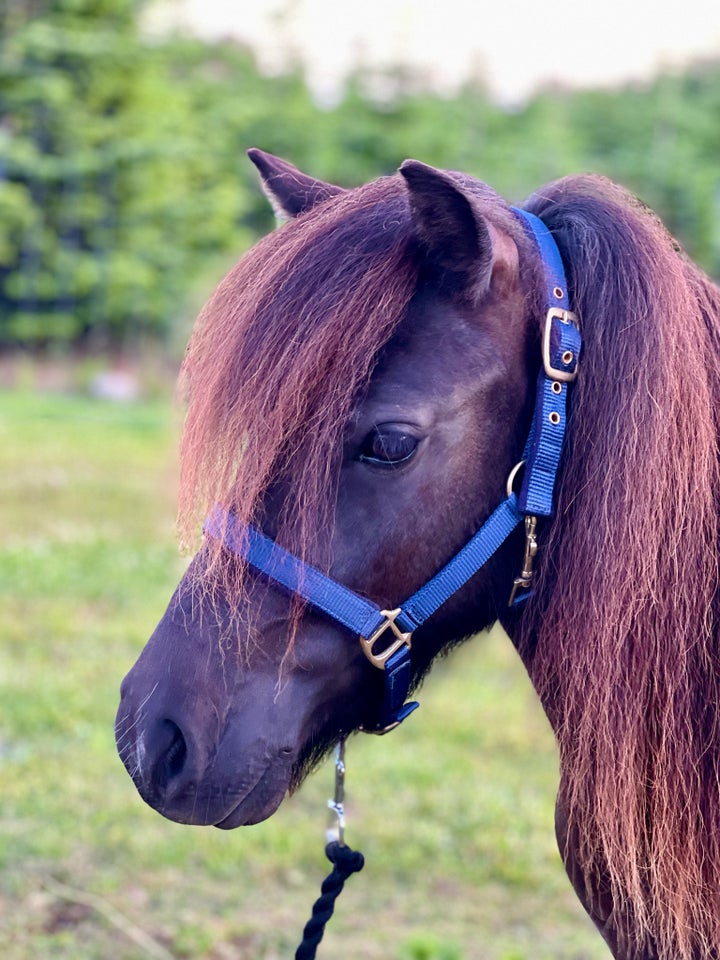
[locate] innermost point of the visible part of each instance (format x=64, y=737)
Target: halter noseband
x=560, y=351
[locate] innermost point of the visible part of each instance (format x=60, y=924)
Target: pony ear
x=290, y=192
x=458, y=242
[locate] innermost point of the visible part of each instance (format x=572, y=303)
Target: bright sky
x=512, y=44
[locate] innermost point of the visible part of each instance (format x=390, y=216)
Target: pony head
x=358, y=388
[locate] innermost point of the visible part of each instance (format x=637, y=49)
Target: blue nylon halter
x=561, y=348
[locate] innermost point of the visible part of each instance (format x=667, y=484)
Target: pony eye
x=387, y=447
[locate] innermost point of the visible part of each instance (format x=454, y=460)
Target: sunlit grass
x=454, y=811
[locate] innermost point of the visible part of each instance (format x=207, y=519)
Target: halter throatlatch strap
x=386, y=635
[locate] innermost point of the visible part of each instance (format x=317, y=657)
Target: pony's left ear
x=458, y=242
x=290, y=192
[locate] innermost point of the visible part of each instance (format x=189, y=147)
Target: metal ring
x=512, y=475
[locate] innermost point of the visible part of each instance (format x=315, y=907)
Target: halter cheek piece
x=386, y=635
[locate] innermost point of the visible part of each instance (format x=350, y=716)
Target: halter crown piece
x=375, y=627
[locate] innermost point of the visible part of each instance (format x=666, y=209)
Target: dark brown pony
x=359, y=387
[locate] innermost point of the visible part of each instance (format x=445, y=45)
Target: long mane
x=621, y=635
x=278, y=356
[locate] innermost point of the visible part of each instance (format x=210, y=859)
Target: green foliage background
x=124, y=191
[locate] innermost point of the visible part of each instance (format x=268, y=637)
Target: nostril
x=171, y=761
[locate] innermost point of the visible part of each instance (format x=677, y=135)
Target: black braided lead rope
x=345, y=862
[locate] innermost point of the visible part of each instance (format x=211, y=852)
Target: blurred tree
x=661, y=140
x=109, y=199
x=58, y=78
x=123, y=184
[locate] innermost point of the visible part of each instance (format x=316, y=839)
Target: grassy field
x=453, y=812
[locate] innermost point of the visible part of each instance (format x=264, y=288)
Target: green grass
x=453, y=812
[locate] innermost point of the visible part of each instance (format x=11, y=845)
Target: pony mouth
x=260, y=802
x=279, y=779
x=208, y=798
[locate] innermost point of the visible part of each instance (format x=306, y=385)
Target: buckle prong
x=367, y=644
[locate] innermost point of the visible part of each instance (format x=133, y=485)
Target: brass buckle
x=402, y=639
x=555, y=373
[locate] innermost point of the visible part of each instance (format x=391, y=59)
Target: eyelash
x=388, y=447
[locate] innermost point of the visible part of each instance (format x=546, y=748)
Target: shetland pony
x=359, y=388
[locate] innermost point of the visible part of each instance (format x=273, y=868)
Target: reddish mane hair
x=621, y=634
x=282, y=350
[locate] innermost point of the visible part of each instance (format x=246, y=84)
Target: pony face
x=239, y=690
